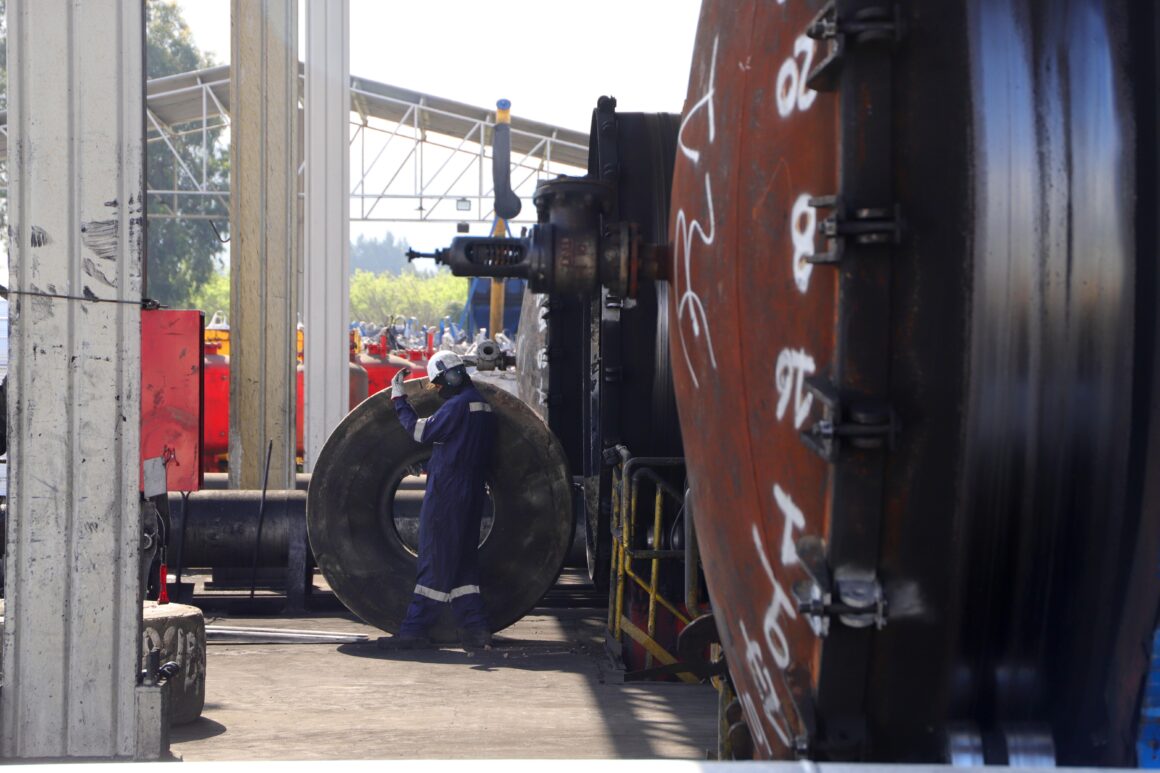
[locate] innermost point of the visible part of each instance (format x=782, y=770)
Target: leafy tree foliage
x=378, y=298
x=182, y=252
x=213, y=296
x=377, y=255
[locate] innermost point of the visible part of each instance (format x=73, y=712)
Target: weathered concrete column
x=264, y=258
x=75, y=159
x=327, y=253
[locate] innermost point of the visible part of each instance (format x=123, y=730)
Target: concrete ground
x=546, y=690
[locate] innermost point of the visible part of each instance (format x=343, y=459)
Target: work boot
x=475, y=639
x=402, y=642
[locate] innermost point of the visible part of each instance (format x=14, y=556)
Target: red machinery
x=216, y=417
x=171, y=394
x=357, y=393
x=215, y=431
x=381, y=364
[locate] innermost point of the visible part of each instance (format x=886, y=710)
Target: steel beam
x=326, y=292
x=264, y=264
x=72, y=638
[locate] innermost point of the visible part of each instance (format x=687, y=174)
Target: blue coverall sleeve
x=435, y=429
x=406, y=414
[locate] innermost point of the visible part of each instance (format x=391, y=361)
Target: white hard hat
x=441, y=362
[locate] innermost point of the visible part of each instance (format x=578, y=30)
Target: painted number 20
x=791, y=79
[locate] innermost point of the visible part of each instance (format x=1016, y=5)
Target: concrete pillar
x=76, y=185
x=264, y=258
x=327, y=254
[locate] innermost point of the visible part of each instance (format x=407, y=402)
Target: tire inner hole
x=406, y=500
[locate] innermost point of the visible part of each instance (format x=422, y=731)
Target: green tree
x=378, y=255
x=182, y=251
x=379, y=298
x=213, y=296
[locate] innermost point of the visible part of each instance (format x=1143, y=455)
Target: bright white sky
x=552, y=59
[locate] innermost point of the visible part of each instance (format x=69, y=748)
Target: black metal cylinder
x=219, y=528
x=219, y=481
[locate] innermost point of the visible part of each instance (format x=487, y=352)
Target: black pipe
x=261, y=517
x=217, y=481
x=218, y=528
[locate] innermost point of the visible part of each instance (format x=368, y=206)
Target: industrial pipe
x=220, y=528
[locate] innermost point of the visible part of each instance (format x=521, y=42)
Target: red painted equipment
x=216, y=416
x=216, y=429
x=357, y=392
x=375, y=360
x=163, y=592
x=171, y=394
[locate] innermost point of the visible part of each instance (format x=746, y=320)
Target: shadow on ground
x=197, y=730
x=527, y=655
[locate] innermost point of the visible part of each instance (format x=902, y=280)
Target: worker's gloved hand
x=397, y=383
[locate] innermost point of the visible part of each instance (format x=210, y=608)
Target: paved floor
x=546, y=691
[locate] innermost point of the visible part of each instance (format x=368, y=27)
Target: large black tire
x=358, y=548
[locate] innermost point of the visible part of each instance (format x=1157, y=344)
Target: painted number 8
x=803, y=224
x=791, y=80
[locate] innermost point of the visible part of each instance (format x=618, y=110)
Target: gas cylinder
x=216, y=419
x=359, y=382
x=379, y=372
x=356, y=393
x=217, y=332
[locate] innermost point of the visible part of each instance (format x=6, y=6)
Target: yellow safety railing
x=625, y=520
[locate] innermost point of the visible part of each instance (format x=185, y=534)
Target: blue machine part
x=477, y=312
x=1148, y=742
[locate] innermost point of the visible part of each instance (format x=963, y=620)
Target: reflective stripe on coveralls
x=422, y=423
x=455, y=593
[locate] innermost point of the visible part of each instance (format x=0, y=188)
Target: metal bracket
x=811, y=554
x=607, y=155
x=866, y=226
x=857, y=601
x=879, y=23
x=860, y=423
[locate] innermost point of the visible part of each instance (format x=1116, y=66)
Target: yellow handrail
x=623, y=527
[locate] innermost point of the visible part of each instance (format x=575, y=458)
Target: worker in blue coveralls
x=461, y=433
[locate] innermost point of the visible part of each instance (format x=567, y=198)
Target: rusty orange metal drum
x=741, y=233
x=912, y=291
